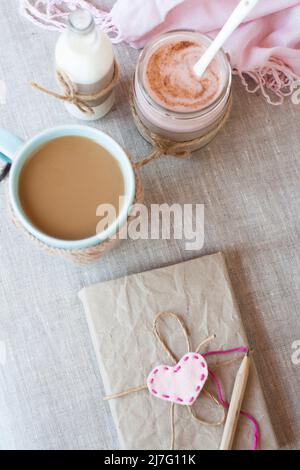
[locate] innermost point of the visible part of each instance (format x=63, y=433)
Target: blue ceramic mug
x=14, y=153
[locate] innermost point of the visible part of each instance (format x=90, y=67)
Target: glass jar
x=179, y=125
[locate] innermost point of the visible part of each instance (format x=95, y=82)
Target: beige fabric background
x=248, y=179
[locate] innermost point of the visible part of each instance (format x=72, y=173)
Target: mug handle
x=9, y=144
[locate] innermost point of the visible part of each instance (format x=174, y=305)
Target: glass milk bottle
x=85, y=55
x=204, y=104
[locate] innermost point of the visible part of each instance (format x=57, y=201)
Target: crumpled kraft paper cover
x=120, y=316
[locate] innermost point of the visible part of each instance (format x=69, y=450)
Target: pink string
x=227, y=351
x=275, y=80
x=225, y=404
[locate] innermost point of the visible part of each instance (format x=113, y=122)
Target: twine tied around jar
x=220, y=402
x=71, y=95
x=163, y=147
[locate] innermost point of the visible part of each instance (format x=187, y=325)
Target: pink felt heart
x=182, y=383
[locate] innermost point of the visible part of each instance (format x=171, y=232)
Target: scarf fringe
x=52, y=15
x=275, y=81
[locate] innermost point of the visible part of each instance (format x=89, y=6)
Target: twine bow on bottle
x=220, y=402
x=71, y=95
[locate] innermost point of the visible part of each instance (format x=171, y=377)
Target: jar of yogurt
x=170, y=100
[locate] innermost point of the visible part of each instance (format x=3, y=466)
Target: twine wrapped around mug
x=71, y=95
x=91, y=254
x=163, y=147
x=221, y=403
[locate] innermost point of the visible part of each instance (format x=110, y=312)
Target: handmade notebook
x=120, y=316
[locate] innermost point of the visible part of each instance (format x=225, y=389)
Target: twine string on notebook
x=220, y=402
x=172, y=415
x=71, y=95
